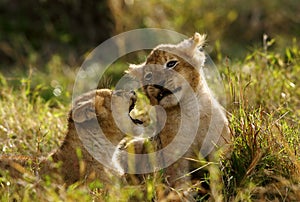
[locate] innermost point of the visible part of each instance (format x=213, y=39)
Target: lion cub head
x=110, y=108
x=98, y=104
x=171, y=70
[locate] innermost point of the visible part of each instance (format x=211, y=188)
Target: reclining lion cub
x=90, y=122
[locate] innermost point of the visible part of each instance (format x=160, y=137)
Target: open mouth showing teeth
x=165, y=92
x=131, y=107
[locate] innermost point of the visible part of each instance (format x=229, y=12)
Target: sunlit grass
x=263, y=103
x=28, y=125
x=265, y=123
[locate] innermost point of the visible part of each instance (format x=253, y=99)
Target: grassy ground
x=263, y=103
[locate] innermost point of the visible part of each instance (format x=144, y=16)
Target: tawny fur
x=185, y=79
x=90, y=109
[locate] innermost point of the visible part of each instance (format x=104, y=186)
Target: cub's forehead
x=189, y=50
x=161, y=55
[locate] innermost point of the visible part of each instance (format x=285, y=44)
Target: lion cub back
x=76, y=162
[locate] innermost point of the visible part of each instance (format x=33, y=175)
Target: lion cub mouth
x=133, y=99
x=164, y=92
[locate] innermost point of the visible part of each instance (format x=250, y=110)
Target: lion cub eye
x=148, y=76
x=171, y=64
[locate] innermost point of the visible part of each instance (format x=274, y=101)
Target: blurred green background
x=54, y=37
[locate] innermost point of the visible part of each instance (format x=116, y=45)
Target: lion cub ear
x=199, y=40
x=85, y=110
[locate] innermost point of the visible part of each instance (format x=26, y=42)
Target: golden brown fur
x=178, y=68
x=89, y=111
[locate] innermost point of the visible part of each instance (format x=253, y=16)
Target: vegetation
x=263, y=105
x=264, y=108
x=42, y=46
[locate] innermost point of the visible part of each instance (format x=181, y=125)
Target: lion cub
x=172, y=76
x=92, y=129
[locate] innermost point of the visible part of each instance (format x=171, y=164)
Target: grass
x=264, y=107
x=263, y=103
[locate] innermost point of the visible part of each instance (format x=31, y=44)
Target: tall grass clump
x=265, y=122
x=28, y=123
x=29, y=126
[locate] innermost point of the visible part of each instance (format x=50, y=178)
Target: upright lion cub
x=172, y=76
